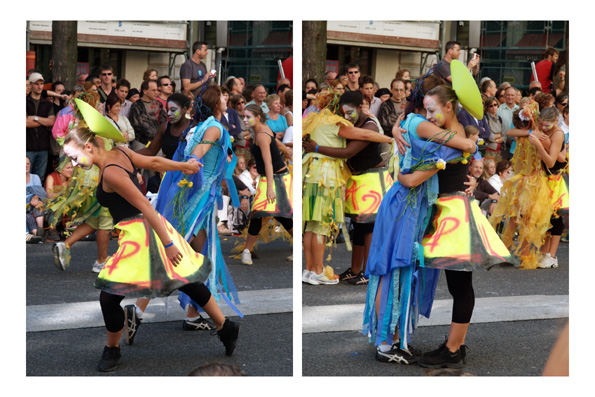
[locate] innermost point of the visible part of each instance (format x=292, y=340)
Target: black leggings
x=460, y=287
x=557, y=226
x=360, y=231
x=113, y=315
x=256, y=224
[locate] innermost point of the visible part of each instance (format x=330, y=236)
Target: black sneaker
x=229, y=335
x=109, y=359
x=131, y=323
x=444, y=358
x=347, y=275
x=200, y=324
x=396, y=355
x=359, y=279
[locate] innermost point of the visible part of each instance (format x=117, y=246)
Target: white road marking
x=62, y=316
x=334, y=318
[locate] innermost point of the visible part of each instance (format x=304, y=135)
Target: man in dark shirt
x=39, y=122
x=193, y=72
x=353, y=74
x=105, y=88
x=453, y=51
x=390, y=110
x=146, y=115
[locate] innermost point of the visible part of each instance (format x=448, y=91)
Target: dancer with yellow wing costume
x=152, y=258
x=532, y=199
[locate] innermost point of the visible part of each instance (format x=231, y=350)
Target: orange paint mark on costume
x=350, y=193
x=443, y=230
x=373, y=208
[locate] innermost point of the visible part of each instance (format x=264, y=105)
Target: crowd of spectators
x=500, y=101
x=140, y=114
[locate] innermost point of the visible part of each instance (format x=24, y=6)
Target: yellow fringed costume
x=525, y=205
x=324, y=178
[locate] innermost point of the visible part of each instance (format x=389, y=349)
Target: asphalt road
x=500, y=343
x=63, y=346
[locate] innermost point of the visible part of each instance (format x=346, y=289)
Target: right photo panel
x=435, y=198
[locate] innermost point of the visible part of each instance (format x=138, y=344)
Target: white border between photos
x=581, y=275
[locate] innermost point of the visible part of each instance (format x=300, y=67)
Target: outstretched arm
x=158, y=163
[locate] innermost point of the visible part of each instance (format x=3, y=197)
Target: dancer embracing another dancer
x=152, y=258
x=324, y=180
x=403, y=265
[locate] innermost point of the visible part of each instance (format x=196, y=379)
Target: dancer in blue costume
x=189, y=203
x=399, y=289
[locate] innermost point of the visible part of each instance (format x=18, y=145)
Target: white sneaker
x=289, y=258
x=322, y=279
x=98, y=266
x=548, y=262
x=246, y=257
x=306, y=276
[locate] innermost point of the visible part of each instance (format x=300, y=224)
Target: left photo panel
x=159, y=198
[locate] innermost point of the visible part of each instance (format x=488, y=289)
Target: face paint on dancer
x=546, y=125
x=77, y=157
x=249, y=117
x=433, y=111
x=174, y=112
x=350, y=113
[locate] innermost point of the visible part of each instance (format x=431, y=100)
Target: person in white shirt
x=503, y=172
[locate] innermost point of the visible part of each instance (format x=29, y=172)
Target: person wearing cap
x=391, y=110
x=40, y=119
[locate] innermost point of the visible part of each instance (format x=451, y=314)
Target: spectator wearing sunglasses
x=352, y=77
x=106, y=86
x=165, y=87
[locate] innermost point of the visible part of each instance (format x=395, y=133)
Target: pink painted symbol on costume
x=442, y=230
x=121, y=254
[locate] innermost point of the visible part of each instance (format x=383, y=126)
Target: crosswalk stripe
x=348, y=317
x=62, y=316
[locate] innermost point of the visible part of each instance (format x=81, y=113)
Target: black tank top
x=276, y=158
x=118, y=207
x=368, y=158
x=452, y=178
x=169, y=143
x=557, y=167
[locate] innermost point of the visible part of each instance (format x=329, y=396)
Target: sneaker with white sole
x=61, y=255
x=322, y=279
x=289, y=258
x=131, y=323
x=200, y=324
x=396, y=355
x=246, y=257
x=305, y=276
x=98, y=266
x=548, y=262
